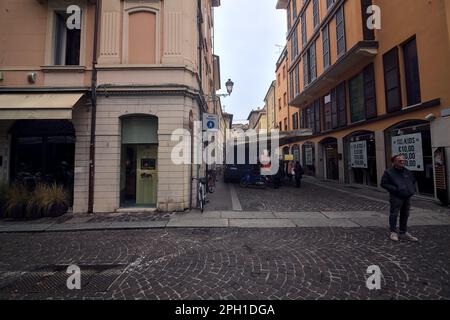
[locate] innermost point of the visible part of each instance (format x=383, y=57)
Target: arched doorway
x=361, y=158
x=412, y=139
x=139, y=161
x=43, y=151
x=331, y=158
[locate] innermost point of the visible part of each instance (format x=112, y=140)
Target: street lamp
x=229, y=85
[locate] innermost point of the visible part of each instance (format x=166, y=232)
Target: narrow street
x=309, y=262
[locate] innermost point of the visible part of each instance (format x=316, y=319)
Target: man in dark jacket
x=401, y=184
x=298, y=174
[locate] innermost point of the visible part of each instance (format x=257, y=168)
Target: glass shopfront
x=361, y=158
x=412, y=139
x=331, y=158
x=309, y=158
x=43, y=151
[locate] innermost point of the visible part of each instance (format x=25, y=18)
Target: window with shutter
x=370, y=100
x=392, y=81
x=342, y=116
x=356, y=93
x=334, y=109
x=326, y=47
x=340, y=31
x=412, y=72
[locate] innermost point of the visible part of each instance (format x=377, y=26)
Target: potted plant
x=16, y=201
x=56, y=201
x=3, y=198
x=36, y=204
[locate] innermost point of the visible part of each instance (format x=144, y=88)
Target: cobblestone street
x=239, y=263
x=301, y=263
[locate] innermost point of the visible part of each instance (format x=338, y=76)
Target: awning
x=38, y=106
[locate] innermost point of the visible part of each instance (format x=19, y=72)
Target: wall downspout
x=93, y=112
x=200, y=100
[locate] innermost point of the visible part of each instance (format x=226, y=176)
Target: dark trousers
x=402, y=206
x=298, y=182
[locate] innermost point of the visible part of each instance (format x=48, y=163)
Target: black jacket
x=399, y=183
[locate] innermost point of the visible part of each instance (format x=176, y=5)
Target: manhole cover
x=53, y=279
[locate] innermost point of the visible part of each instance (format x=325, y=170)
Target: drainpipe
x=200, y=100
x=93, y=112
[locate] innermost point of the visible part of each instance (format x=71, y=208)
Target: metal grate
x=53, y=279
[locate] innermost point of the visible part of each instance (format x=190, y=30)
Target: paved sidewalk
x=236, y=219
x=316, y=204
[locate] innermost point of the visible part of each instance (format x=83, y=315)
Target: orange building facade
x=369, y=93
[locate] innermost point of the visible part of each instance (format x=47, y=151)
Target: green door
x=146, y=174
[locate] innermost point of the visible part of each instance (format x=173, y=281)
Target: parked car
x=235, y=172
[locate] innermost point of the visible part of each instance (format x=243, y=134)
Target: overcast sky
x=247, y=33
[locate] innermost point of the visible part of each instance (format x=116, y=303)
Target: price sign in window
x=409, y=146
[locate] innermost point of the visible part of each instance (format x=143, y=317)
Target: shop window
x=43, y=151
x=392, y=81
x=413, y=140
x=412, y=72
x=66, y=46
x=309, y=159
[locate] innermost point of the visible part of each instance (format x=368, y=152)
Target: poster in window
x=358, y=154
x=308, y=156
x=409, y=146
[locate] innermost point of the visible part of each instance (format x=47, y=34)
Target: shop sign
x=358, y=154
x=289, y=157
x=409, y=146
x=308, y=156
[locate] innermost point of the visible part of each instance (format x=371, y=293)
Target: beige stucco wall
x=173, y=180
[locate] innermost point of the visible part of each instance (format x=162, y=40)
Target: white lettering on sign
x=308, y=156
x=358, y=154
x=409, y=146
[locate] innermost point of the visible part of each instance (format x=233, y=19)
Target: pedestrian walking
x=298, y=174
x=401, y=185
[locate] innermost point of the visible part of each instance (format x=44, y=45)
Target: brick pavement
x=302, y=263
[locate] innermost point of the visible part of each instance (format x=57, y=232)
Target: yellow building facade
x=370, y=93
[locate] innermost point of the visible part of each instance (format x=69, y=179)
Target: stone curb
x=240, y=219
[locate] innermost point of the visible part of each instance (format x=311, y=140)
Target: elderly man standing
x=401, y=184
